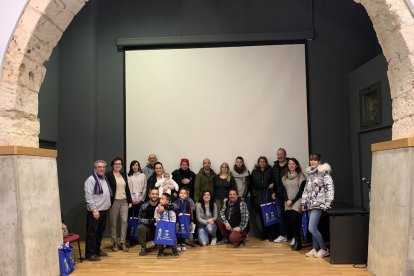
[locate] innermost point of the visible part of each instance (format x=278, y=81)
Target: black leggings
x=294, y=223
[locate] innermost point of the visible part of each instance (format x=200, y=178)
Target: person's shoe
x=213, y=241
x=102, y=254
x=192, y=244
x=93, y=258
x=203, y=244
x=160, y=253
x=292, y=243
x=241, y=244
x=322, y=253
x=297, y=246
x=280, y=239
x=143, y=251
x=114, y=246
x=179, y=247
x=124, y=247
x=223, y=241
x=175, y=252
x=183, y=247
x=311, y=253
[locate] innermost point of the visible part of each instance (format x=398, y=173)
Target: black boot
x=298, y=244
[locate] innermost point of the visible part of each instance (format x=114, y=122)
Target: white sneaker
x=280, y=239
x=183, y=247
x=179, y=247
x=213, y=241
x=292, y=243
x=322, y=253
x=311, y=253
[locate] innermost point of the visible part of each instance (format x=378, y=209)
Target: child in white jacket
x=166, y=184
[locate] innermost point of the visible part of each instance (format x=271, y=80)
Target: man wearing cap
x=184, y=176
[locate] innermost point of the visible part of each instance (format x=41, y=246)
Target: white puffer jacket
x=319, y=188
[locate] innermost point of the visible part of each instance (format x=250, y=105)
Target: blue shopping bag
x=305, y=222
x=269, y=214
x=183, y=226
x=132, y=230
x=65, y=259
x=165, y=232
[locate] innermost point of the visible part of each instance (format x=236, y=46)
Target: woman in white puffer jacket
x=317, y=197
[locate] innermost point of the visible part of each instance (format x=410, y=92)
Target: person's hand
x=270, y=186
x=139, y=201
x=225, y=200
x=273, y=196
x=210, y=221
x=134, y=202
x=175, y=194
x=237, y=229
x=228, y=226
x=129, y=205
x=304, y=209
x=165, y=189
x=185, y=181
x=96, y=214
x=289, y=203
x=160, y=209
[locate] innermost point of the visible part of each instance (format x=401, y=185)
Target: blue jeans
x=204, y=231
x=317, y=239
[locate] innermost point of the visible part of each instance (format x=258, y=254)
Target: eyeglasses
x=101, y=167
x=117, y=164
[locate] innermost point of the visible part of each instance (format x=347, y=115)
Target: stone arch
x=43, y=22
x=394, y=25
x=37, y=32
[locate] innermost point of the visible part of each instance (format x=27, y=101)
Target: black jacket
x=112, y=182
x=179, y=175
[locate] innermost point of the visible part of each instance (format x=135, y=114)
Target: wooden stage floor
x=256, y=258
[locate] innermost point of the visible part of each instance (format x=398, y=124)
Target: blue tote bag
x=183, y=226
x=165, y=232
x=305, y=222
x=269, y=211
x=65, y=261
x=132, y=230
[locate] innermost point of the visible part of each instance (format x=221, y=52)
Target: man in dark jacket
x=279, y=169
x=146, y=227
x=184, y=177
x=233, y=223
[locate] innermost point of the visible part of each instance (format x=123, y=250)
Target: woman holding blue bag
x=262, y=185
x=317, y=197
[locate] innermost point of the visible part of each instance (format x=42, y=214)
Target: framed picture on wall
x=370, y=105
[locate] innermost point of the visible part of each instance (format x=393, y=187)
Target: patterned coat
x=319, y=188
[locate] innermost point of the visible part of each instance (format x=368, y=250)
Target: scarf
x=98, y=187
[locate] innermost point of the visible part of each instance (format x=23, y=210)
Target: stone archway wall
x=43, y=22
x=394, y=25
x=38, y=31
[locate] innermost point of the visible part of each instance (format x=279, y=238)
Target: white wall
x=217, y=103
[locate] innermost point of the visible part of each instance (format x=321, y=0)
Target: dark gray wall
x=362, y=137
x=49, y=100
x=91, y=110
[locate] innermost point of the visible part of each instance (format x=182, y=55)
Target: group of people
x=213, y=202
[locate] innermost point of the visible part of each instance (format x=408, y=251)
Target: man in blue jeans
x=279, y=169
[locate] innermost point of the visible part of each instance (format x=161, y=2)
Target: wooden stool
x=72, y=238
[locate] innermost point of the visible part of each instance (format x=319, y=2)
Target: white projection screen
x=216, y=103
